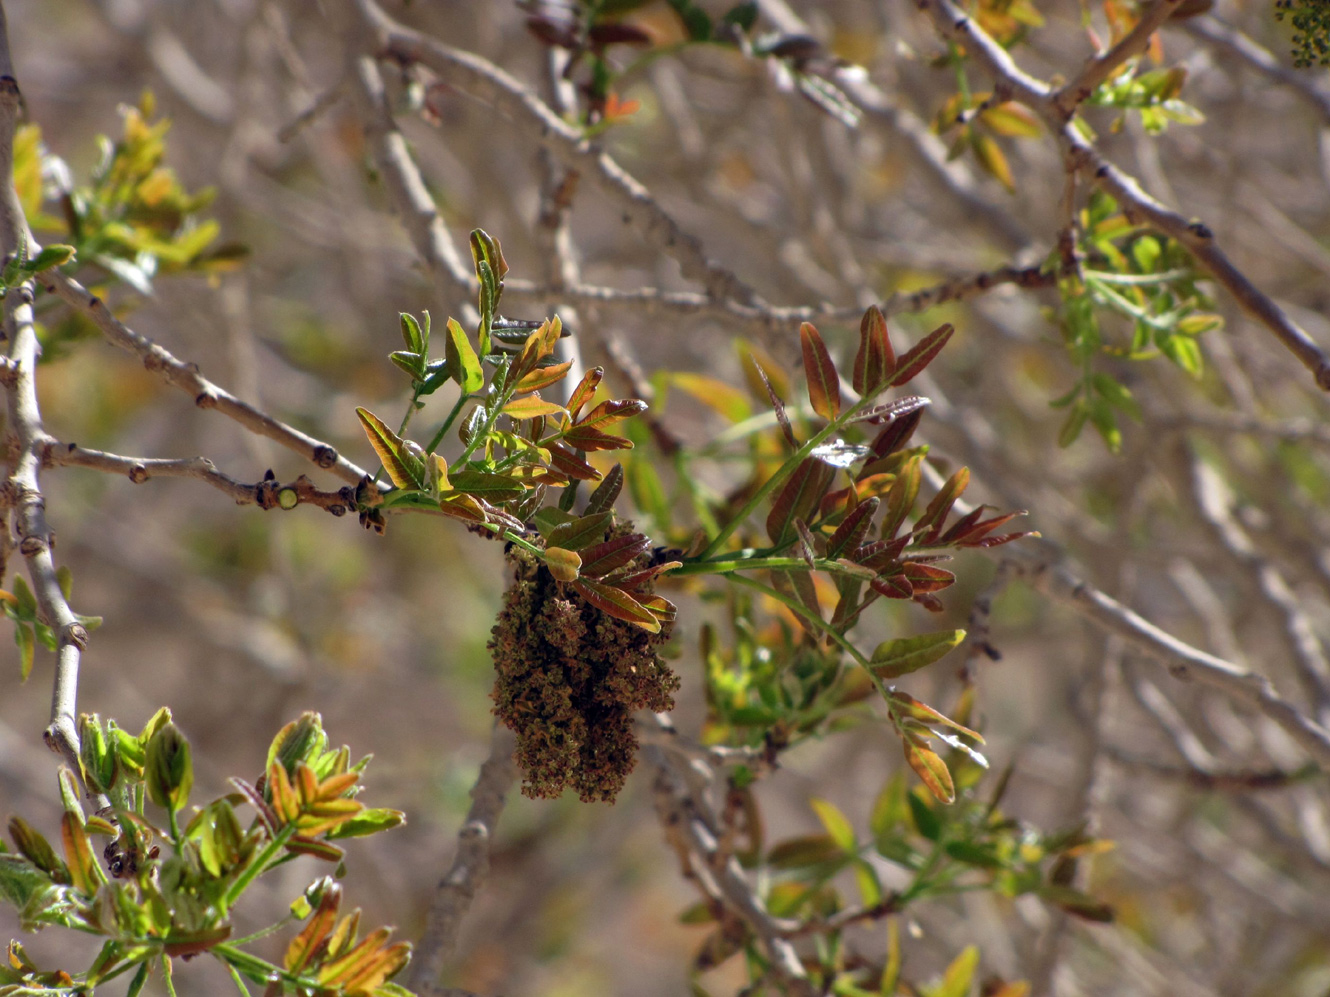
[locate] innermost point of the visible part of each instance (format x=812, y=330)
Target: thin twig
x=452, y=898
x=266, y=494
x=1235, y=43
x=1138, y=206
x=1183, y=661
x=485, y=81
x=187, y=378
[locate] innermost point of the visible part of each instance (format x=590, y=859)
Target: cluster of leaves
x=938, y=851
x=516, y=445
x=133, y=219
x=1149, y=283
x=1311, y=30
x=1153, y=94
x=976, y=123
x=155, y=903
x=29, y=629
x=864, y=540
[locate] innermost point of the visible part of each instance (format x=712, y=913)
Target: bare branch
x=1081, y=154
x=1183, y=661
x=187, y=378
x=22, y=490
x=1261, y=59
x=452, y=898
x=487, y=82
x=267, y=494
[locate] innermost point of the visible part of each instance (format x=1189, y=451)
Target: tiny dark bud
x=325, y=456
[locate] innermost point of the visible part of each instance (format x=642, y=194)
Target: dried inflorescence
x=569, y=679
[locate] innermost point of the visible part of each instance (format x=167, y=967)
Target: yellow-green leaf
x=894, y=658
x=531, y=407
x=564, y=565
x=405, y=469
x=930, y=768
x=462, y=360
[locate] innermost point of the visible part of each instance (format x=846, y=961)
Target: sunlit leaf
x=823, y=381
x=894, y=658
x=919, y=356
x=617, y=603
x=930, y=768
x=876, y=360
x=563, y=564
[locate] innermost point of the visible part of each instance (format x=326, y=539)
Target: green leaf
x=959, y=976
x=823, y=381
x=531, y=407
x=404, y=468
x=808, y=850
x=412, y=335
x=23, y=637
x=837, y=824
x=890, y=810
x=581, y=532
x=169, y=771
x=491, y=487
x=462, y=360
x=894, y=658
x=1075, y=902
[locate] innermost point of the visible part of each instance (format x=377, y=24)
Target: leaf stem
x=784, y=471
x=808, y=615
x=437, y=438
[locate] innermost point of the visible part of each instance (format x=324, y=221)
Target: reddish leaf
x=538, y=346
x=880, y=554
x=569, y=463
x=301, y=951
x=1001, y=538
x=618, y=604
x=893, y=409
x=906, y=705
x=921, y=355
x=542, y=377
x=608, y=413
x=602, y=558
x=900, y=500
x=585, y=390
x=930, y=768
x=823, y=381
x=405, y=469
x=896, y=433
x=853, y=528
x=893, y=587
x=603, y=498
x=930, y=602
x=875, y=361
x=588, y=438
x=798, y=497
x=807, y=545
x=635, y=579
x=777, y=405
x=926, y=578
x=938, y=509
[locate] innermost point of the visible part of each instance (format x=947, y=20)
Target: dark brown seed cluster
x=569, y=679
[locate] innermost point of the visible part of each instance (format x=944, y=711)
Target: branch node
x=1200, y=230
x=31, y=546
x=325, y=456
x=138, y=474
x=77, y=634
x=206, y=399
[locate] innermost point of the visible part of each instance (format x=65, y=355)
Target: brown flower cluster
x=569, y=679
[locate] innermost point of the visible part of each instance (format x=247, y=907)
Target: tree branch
x=452, y=898
x=1015, y=84
x=187, y=378
x=487, y=82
